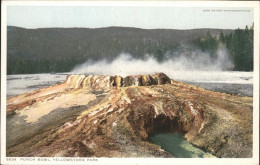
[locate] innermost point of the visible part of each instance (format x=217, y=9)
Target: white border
x=126, y=161
x=252, y=4
x=256, y=85
x=3, y=81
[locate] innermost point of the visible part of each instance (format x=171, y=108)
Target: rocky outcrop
x=112, y=116
x=106, y=82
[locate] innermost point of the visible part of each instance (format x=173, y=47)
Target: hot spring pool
x=178, y=146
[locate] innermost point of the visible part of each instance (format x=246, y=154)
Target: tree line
x=60, y=50
x=239, y=44
x=241, y=47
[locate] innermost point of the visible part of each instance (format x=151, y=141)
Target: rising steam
x=125, y=64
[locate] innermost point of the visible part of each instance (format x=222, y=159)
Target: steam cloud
x=125, y=64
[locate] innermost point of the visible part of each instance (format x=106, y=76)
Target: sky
x=135, y=16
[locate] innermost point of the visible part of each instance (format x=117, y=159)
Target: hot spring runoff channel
x=178, y=146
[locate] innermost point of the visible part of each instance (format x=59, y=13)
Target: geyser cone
x=112, y=116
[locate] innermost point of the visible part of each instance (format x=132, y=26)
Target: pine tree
x=240, y=45
x=221, y=37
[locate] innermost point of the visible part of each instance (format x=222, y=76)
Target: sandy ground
x=68, y=120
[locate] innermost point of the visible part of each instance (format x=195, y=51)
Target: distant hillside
x=60, y=49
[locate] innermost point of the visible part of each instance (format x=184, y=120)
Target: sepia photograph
x=129, y=82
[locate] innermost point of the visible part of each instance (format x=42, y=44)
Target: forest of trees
x=239, y=44
x=241, y=47
x=61, y=49
x=207, y=44
x=30, y=66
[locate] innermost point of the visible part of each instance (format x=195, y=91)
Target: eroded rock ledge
x=105, y=82
x=111, y=116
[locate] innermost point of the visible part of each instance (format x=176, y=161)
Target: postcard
x=129, y=82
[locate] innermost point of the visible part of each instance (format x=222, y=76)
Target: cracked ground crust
x=116, y=122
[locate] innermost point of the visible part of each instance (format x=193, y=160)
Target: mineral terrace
x=112, y=116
